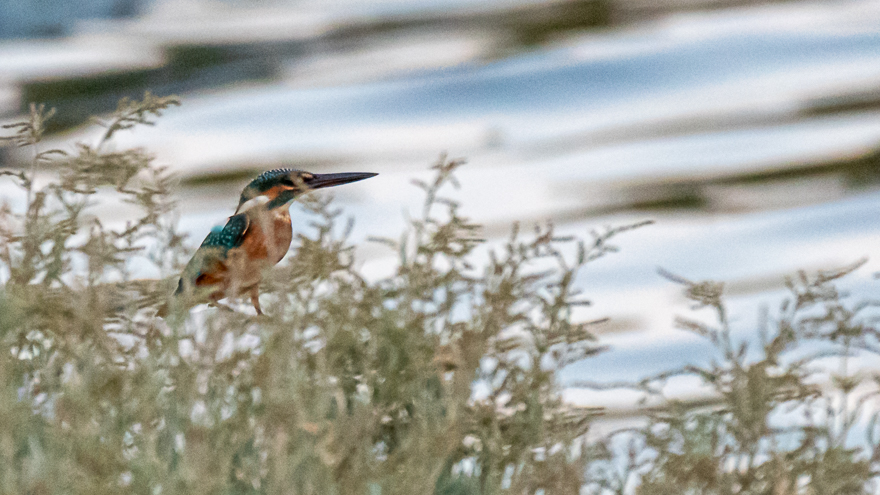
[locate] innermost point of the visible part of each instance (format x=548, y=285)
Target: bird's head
x=277, y=188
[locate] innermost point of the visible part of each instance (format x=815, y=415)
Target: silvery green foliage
x=791, y=414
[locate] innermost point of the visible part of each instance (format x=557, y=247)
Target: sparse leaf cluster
x=778, y=418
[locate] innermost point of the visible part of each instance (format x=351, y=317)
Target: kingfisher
x=231, y=259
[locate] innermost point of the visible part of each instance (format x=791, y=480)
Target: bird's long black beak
x=328, y=180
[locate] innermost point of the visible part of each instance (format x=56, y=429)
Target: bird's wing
x=208, y=259
x=231, y=235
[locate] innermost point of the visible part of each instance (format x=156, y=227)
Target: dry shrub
x=439, y=378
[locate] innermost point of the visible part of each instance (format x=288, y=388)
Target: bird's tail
x=138, y=295
x=163, y=307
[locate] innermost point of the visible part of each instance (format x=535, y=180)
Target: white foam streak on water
x=70, y=58
x=407, y=55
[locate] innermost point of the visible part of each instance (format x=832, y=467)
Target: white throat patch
x=260, y=200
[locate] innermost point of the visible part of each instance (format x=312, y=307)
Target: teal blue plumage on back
x=229, y=236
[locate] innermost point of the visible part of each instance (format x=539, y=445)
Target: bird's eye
x=287, y=181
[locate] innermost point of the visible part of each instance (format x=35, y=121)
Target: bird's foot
x=220, y=305
x=255, y=300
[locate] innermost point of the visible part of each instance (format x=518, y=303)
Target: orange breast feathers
x=268, y=238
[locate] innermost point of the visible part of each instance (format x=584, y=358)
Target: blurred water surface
x=751, y=135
